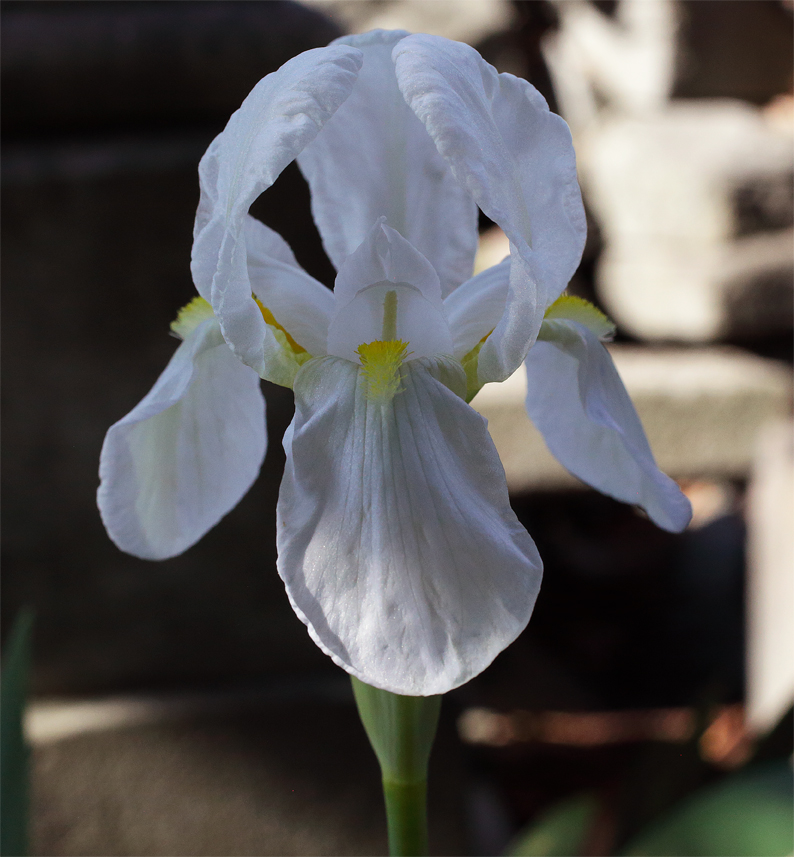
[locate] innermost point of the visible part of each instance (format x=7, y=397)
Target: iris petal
x=301, y=304
x=187, y=453
x=385, y=262
x=516, y=159
x=577, y=401
x=278, y=119
x=374, y=158
x=396, y=539
x=476, y=307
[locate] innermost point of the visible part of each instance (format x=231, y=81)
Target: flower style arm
x=187, y=453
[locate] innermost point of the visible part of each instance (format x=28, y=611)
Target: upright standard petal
x=387, y=263
x=396, y=539
x=186, y=455
x=374, y=158
x=282, y=114
x=577, y=401
x=516, y=159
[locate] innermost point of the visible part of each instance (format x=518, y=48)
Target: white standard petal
x=387, y=263
x=516, y=159
x=396, y=539
x=374, y=158
x=186, y=455
x=282, y=114
x=577, y=401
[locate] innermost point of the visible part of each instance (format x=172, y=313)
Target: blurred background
x=180, y=707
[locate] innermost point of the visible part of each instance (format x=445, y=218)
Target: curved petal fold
x=516, y=159
x=577, y=401
x=301, y=305
x=374, y=158
x=385, y=262
x=475, y=308
x=396, y=539
x=278, y=119
x=187, y=453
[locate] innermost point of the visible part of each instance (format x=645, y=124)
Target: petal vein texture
x=396, y=539
x=577, y=401
x=374, y=158
x=186, y=454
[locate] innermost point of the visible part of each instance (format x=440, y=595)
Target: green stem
x=401, y=730
x=406, y=817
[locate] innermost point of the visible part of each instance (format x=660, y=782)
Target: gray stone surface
x=632, y=58
x=279, y=779
x=702, y=410
x=687, y=170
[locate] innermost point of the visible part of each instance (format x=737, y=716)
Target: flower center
x=382, y=358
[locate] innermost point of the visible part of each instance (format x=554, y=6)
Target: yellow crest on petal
x=571, y=308
x=190, y=317
x=380, y=363
x=270, y=319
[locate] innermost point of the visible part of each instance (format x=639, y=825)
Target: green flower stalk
x=401, y=730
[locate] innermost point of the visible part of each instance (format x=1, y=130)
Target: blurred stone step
x=461, y=20
x=702, y=410
x=698, y=172
x=660, y=289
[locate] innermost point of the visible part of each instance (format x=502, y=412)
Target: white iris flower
x=396, y=541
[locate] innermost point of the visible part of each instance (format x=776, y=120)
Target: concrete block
x=701, y=172
x=634, y=57
x=695, y=207
x=625, y=61
x=702, y=410
x=461, y=20
x=770, y=585
x=660, y=290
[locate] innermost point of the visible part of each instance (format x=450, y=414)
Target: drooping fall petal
x=187, y=453
x=396, y=539
x=576, y=399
